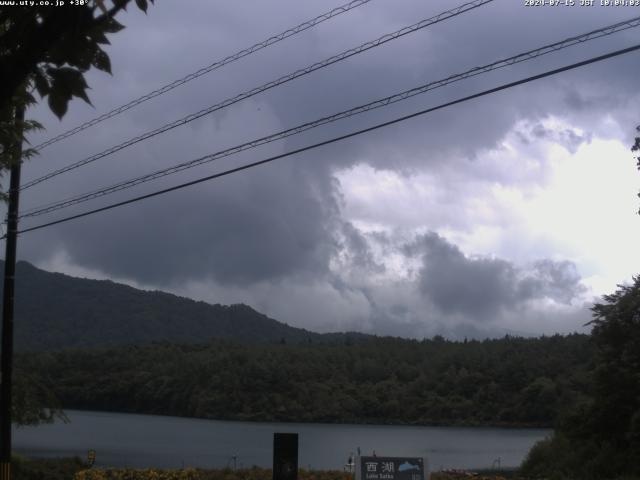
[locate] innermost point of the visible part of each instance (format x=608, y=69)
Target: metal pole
x=7, y=303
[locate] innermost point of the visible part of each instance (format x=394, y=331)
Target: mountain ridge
x=54, y=311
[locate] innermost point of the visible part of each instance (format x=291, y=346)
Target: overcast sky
x=508, y=213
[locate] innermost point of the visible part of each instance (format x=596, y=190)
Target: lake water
x=173, y=442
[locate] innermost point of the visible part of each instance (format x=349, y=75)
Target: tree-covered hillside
x=600, y=437
x=509, y=382
x=55, y=311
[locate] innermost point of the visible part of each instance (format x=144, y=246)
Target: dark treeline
x=508, y=382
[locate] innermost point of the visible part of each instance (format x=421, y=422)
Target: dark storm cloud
x=493, y=32
x=241, y=231
x=482, y=288
x=457, y=284
x=283, y=221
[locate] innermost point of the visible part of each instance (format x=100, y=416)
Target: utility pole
x=7, y=299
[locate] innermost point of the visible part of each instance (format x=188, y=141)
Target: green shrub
x=45, y=469
x=198, y=474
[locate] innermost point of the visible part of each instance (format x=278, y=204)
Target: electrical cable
x=336, y=139
x=250, y=93
x=526, y=56
x=209, y=68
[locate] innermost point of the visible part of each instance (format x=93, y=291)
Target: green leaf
x=29, y=99
x=84, y=53
x=100, y=4
x=58, y=103
x=142, y=5
x=101, y=61
x=81, y=92
x=67, y=83
x=121, y=3
x=29, y=153
x=112, y=26
x=98, y=36
x=30, y=125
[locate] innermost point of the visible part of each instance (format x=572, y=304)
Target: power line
x=522, y=57
x=340, y=138
x=209, y=68
x=250, y=93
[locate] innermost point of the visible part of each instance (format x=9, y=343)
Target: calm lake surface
x=172, y=442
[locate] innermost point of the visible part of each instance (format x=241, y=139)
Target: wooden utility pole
x=7, y=300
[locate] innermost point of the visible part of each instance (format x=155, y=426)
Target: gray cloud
x=559, y=281
x=265, y=225
x=484, y=288
x=359, y=250
x=567, y=137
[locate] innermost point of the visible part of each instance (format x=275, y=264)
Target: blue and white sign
x=391, y=468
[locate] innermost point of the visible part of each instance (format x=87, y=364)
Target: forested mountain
x=508, y=382
x=151, y=352
x=56, y=311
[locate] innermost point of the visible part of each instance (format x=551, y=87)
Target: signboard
x=391, y=468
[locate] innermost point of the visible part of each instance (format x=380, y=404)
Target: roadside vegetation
x=75, y=469
x=600, y=437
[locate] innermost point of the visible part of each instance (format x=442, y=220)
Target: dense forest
x=509, y=382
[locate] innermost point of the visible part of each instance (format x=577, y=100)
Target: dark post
x=7, y=304
x=285, y=456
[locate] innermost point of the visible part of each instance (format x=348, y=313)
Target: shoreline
x=504, y=426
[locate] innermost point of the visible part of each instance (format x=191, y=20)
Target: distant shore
x=366, y=422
